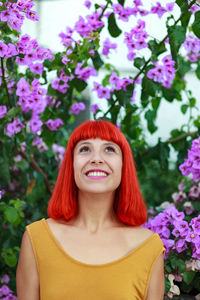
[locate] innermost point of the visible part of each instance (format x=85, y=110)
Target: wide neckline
x=59, y=246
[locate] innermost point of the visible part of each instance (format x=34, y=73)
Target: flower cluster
x=15, y=12
x=160, y=10
x=164, y=72
x=7, y=50
x=136, y=39
x=177, y=235
x=5, y=291
x=186, y=196
x=84, y=73
x=60, y=83
x=86, y=27
x=191, y=164
x=76, y=108
x=192, y=46
x=39, y=143
x=31, y=53
x=125, y=12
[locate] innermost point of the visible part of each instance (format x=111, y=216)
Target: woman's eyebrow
x=84, y=143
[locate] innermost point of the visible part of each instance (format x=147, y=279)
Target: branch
x=4, y=82
x=36, y=167
x=181, y=137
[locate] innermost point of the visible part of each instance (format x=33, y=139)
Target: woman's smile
x=96, y=174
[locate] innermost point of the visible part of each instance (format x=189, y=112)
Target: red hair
x=128, y=204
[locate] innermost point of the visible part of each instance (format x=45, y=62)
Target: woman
x=93, y=245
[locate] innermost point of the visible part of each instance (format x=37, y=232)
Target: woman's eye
x=110, y=149
x=84, y=149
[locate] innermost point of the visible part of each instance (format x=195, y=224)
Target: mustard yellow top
x=65, y=278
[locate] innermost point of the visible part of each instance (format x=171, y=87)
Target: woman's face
x=97, y=165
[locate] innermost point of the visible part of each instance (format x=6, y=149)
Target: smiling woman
x=93, y=245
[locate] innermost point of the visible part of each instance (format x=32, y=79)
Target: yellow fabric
x=64, y=278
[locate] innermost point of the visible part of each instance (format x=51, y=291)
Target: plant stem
x=181, y=137
x=36, y=167
x=4, y=82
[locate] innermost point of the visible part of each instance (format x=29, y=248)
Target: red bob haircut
x=128, y=204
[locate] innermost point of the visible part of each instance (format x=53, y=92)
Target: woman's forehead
x=96, y=141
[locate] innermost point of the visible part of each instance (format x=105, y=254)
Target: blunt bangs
x=97, y=129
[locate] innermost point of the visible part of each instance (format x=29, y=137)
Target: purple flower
x=182, y=227
x=94, y=108
x=3, y=49
x=191, y=165
x=88, y=4
x=3, y=111
x=54, y=124
x=37, y=68
x=178, y=197
x=189, y=209
x=14, y=127
x=192, y=236
x=4, y=290
x=107, y=45
x=2, y=192
x=102, y=92
x=164, y=72
x=32, y=15
x=35, y=124
x=22, y=88
x=76, y=108
x=84, y=73
x=5, y=279
x=181, y=245
x=158, y=9
x=40, y=144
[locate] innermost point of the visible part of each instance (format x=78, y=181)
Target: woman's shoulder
x=137, y=235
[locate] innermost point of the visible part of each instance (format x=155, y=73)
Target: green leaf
x=113, y=29
x=188, y=276
x=197, y=71
x=183, y=5
x=11, y=215
x=139, y=62
x=150, y=116
x=184, y=108
x=164, y=154
x=183, y=66
x=167, y=285
x=121, y=2
x=155, y=103
x=9, y=257
x=97, y=61
x=192, y=102
x=79, y=84
x=177, y=36
x=156, y=48
x=196, y=24
x=169, y=94
x=186, y=18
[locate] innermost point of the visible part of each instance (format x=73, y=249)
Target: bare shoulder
x=136, y=235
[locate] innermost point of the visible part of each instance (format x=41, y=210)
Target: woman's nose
x=96, y=158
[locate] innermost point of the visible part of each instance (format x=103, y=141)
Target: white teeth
x=97, y=174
